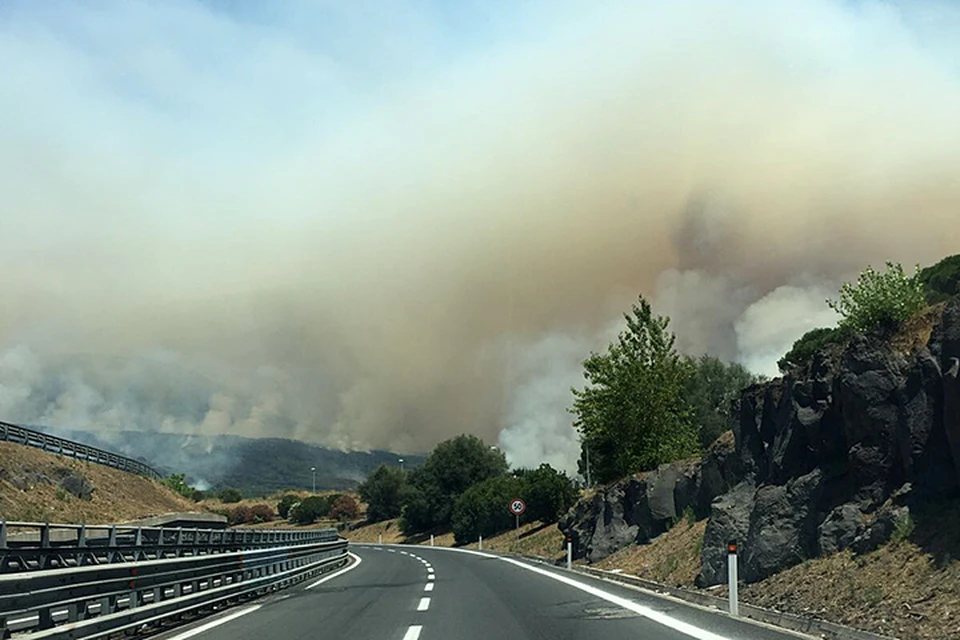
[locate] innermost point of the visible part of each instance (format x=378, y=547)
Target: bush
x=238, y=515
x=198, y=495
x=548, y=493
x=261, y=513
x=286, y=503
x=942, y=280
x=809, y=344
x=230, y=494
x=483, y=509
x=178, y=483
x=344, y=508
x=310, y=509
x=879, y=300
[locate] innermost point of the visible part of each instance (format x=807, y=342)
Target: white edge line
x=413, y=632
x=660, y=618
x=339, y=572
x=215, y=623
x=424, y=604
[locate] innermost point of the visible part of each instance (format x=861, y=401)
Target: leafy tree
x=548, y=493
x=286, y=503
x=632, y=414
x=809, y=344
x=483, y=509
x=309, y=510
x=451, y=468
x=879, y=300
x=344, y=508
x=710, y=391
x=942, y=280
x=230, y=494
x=178, y=483
x=384, y=491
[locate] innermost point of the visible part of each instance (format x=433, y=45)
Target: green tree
x=178, y=482
x=483, y=509
x=384, y=491
x=230, y=494
x=308, y=510
x=942, y=280
x=548, y=493
x=809, y=344
x=710, y=391
x=451, y=468
x=879, y=300
x=632, y=414
x=286, y=503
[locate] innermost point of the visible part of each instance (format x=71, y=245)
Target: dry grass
x=118, y=496
x=672, y=558
x=914, y=334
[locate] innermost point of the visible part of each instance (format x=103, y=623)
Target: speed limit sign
x=517, y=506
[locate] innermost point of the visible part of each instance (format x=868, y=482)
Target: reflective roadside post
x=480, y=543
x=732, y=578
x=379, y=538
x=569, y=553
x=431, y=539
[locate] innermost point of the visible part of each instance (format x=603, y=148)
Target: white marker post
x=379, y=538
x=431, y=539
x=569, y=553
x=480, y=543
x=732, y=578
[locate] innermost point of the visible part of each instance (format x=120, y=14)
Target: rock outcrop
x=836, y=455
x=641, y=507
x=823, y=459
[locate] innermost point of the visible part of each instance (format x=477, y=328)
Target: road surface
x=423, y=593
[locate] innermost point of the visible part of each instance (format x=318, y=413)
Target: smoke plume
x=379, y=228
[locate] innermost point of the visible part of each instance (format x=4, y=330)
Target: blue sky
x=381, y=224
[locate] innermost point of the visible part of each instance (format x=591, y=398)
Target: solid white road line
x=424, y=604
x=428, y=586
x=413, y=632
x=629, y=605
x=339, y=572
x=215, y=623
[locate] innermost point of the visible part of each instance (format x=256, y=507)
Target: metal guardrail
x=33, y=438
x=138, y=584
x=34, y=546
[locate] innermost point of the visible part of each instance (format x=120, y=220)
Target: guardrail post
x=112, y=543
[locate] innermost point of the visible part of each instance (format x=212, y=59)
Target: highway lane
x=422, y=593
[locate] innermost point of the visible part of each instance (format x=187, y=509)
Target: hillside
x=256, y=466
x=36, y=486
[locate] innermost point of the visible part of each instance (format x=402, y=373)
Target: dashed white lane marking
x=215, y=623
x=333, y=575
x=424, y=604
x=428, y=586
x=392, y=550
x=413, y=632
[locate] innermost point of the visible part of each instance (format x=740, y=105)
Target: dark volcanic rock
x=78, y=486
x=729, y=520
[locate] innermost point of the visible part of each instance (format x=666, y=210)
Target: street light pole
x=401, y=464
x=313, y=470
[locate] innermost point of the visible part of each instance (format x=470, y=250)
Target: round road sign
x=517, y=506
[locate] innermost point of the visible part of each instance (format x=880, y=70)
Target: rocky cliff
x=829, y=457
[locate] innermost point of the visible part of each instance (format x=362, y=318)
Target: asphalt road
x=424, y=593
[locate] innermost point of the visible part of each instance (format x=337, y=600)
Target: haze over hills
x=256, y=466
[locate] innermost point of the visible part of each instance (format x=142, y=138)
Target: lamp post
x=401, y=464
x=313, y=470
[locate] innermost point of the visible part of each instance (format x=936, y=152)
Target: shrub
x=902, y=528
x=286, y=503
x=178, y=483
x=344, y=508
x=198, y=495
x=261, y=513
x=308, y=510
x=879, y=300
x=239, y=515
x=809, y=344
x=942, y=280
x=231, y=494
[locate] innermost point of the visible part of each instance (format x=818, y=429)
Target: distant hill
x=256, y=466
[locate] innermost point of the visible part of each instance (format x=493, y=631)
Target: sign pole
x=732, y=578
x=518, y=527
